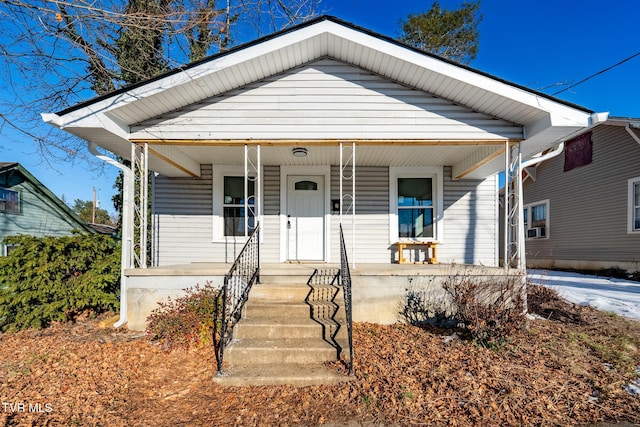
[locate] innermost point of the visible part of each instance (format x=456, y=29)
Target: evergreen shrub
x=49, y=279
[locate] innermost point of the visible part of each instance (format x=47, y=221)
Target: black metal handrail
x=345, y=281
x=244, y=272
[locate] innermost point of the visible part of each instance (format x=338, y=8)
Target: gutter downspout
x=127, y=203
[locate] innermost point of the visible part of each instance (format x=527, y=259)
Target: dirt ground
x=569, y=368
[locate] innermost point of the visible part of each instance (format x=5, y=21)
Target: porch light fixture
x=299, y=152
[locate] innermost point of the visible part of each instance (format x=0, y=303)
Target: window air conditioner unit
x=536, y=233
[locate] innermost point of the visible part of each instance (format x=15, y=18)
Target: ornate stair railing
x=235, y=292
x=345, y=281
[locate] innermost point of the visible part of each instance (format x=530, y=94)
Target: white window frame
x=436, y=174
x=217, y=188
x=631, y=207
x=527, y=209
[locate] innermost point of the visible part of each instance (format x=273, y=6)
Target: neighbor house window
x=234, y=206
x=9, y=201
x=536, y=219
x=634, y=205
x=415, y=203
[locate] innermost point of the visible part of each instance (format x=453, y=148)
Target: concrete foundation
x=379, y=291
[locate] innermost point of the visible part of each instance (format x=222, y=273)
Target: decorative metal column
x=140, y=169
x=514, y=219
x=348, y=193
x=252, y=173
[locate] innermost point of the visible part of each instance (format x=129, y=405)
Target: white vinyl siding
x=470, y=221
x=372, y=211
x=326, y=99
x=182, y=219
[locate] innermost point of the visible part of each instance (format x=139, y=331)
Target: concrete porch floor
x=298, y=269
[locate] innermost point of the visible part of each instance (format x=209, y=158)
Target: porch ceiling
x=108, y=120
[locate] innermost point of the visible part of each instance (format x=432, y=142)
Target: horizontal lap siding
x=38, y=215
x=325, y=99
x=372, y=210
x=470, y=221
x=588, y=204
x=182, y=219
x=270, y=249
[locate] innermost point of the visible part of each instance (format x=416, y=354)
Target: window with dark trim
x=234, y=205
x=9, y=201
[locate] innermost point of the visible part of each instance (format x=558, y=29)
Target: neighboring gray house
x=582, y=207
x=319, y=125
x=28, y=207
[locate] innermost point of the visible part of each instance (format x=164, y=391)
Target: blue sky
x=535, y=44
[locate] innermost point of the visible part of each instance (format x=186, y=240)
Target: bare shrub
x=187, y=321
x=490, y=308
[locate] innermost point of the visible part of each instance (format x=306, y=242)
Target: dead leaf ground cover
x=567, y=369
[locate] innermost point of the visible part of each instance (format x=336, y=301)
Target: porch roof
x=545, y=121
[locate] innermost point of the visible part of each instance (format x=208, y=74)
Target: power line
x=596, y=74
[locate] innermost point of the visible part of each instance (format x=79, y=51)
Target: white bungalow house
x=320, y=124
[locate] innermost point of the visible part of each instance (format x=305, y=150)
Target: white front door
x=305, y=218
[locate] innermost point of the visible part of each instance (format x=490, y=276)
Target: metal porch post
x=348, y=173
x=252, y=173
x=140, y=185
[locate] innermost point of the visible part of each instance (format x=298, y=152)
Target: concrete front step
x=275, y=310
x=285, y=333
x=287, y=327
x=296, y=375
x=279, y=351
x=280, y=291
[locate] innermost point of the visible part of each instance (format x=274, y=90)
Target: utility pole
x=93, y=220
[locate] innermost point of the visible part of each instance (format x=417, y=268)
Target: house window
x=9, y=201
x=234, y=206
x=415, y=207
x=415, y=203
x=634, y=205
x=536, y=220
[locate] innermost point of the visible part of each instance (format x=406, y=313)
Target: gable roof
x=107, y=120
x=13, y=167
